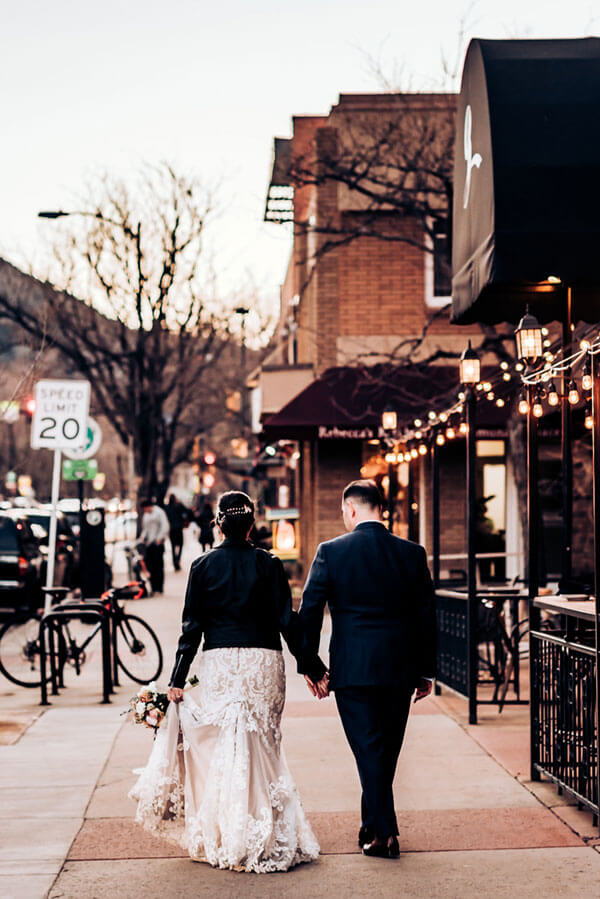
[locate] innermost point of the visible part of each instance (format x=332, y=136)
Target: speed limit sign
x=61, y=414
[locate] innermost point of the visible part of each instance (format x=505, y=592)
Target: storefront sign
x=336, y=433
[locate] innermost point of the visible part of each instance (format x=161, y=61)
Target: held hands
x=423, y=690
x=319, y=689
x=175, y=694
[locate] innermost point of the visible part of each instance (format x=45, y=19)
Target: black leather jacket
x=238, y=595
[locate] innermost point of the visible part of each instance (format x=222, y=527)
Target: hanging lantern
x=553, y=397
x=529, y=338
x=573, y=393
x=470, y=366
x=389, y=420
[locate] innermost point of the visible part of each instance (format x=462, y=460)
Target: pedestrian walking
x=155, y=530
x=380, y=597
x=217, y=780
x=178, y=517
x=206, y=521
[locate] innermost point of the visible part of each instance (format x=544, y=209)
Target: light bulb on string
x=538, y=409
x=461, y=395
x=450, y=433
x=589, y=419
x=418, y=423
x=573, y=393
x=553, y=397
x=414, y=452
x=418, y=434
x=432, y=416
x=545, y=331
x=440, y=440
x=506, y=376
x=504, y=366
x=490, y=395
x=463, y=427
x=519, y=366
x=423, y=450
x=500, y=402
x=584, y=344
x=523, y=405
x=586, y=380
x=443, y=416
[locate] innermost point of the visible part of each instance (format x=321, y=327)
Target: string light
x=585, y=345
x=490, y=395
x=573, y=393
x=443, y=416
x=423, y=449
x=414, y=452
x=486, y=386
x=589, y=419
x=464, y=427
x=418, y=423
x=440, y=440
x=586, y=380
x=418, y=434
x=432, y=416
x=523, y=405
x=500, y=402
x=538, y=409
x=450, y=433
x=506, y=376
x=504, y=366
x=553, y=397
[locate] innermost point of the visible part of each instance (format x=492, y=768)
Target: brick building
x=350, y=306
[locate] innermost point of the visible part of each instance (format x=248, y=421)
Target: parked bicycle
x=138, y=650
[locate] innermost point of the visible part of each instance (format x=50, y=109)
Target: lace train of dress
x=217, y=781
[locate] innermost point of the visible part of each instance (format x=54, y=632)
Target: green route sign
x=80, y=470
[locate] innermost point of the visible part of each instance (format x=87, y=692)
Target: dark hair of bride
x=235, y=514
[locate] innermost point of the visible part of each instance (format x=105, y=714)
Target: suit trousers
x=374, y=720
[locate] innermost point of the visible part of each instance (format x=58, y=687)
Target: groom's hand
x=174, y=694
x=424, y=688
x=319, y=689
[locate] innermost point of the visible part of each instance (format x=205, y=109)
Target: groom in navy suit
x=382, y=649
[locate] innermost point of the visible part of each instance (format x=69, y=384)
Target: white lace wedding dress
x=217, y=781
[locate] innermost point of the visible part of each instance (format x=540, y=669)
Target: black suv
x=21, y=564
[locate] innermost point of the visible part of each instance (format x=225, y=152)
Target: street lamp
x=530, y=339
x=470, y=366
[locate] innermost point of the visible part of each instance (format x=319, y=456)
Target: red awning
x=347, y=402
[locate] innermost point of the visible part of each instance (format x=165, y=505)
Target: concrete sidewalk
x=469, y=826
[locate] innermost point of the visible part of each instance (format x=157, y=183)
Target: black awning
x=527, y=181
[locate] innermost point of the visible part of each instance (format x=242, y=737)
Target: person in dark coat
x=380, y=596
x=178, y=519
x=206, y=522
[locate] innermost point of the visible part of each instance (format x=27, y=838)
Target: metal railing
x=564, y=730
x=497, y=645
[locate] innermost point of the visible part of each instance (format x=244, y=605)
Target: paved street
x=470, y=823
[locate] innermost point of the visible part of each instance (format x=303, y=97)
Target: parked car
x=67, y=545
x=22, y=564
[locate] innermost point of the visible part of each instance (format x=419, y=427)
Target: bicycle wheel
x=139, y=652
x=20, y=652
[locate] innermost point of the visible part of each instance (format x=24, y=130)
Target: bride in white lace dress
x=217, y=780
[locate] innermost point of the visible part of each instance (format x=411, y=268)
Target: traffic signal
x=28, y=406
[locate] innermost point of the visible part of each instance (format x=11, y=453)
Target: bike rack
x=48, y=627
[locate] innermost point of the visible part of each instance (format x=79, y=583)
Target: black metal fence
x=564, y=735
x=496, y=645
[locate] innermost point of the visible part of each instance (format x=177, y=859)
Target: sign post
x=59, y=423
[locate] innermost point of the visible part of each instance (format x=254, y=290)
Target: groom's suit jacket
x=382, y=606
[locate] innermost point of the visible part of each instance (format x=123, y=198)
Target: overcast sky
x=206, y=84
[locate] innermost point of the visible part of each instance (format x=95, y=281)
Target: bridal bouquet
x=149, y=705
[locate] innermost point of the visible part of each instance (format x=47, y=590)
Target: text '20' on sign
x=61, y=414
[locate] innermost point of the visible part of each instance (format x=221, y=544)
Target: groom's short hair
x=365, y=492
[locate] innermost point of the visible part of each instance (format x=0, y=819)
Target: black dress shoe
x=377, y=849
x=364, y=836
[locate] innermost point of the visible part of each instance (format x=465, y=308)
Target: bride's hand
x=174, y=694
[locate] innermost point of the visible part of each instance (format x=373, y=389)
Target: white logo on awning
x=473, y=160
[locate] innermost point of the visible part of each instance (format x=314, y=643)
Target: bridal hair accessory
x=149, y=705
x=235, y=510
